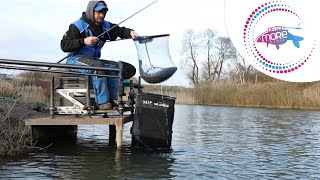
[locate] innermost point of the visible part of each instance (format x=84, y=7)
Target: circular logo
x=276, y=37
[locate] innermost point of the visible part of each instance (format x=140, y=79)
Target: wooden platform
x=117, y=121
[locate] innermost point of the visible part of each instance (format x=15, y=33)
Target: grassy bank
x=15, y=138
x=183, y=95
x=28, y=92
x=280, y=95
x=275, y=94
x=16, y=99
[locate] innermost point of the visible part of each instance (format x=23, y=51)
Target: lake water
x=209, y=142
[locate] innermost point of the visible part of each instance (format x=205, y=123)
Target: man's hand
x=90, y=40
x=133, y=34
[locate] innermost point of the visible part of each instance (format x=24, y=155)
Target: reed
x=183, y=95
x=278, y=94
x=15, y=137
x=29, y=93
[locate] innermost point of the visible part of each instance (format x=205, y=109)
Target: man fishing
x=81, y=38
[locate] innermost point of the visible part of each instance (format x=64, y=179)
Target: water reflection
x=235, y=143
x=208, y=143
x=90, y=158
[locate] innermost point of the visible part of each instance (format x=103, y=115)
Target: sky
x=32, y=29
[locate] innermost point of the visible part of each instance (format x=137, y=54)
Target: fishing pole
x=291, y=27
x=111, y=29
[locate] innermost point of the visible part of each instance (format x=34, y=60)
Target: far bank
x=265, y=95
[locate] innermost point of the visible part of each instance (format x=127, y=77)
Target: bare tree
x=241, y=70
x=225, y=50
x=208, y=40
x=215, y=51
x=190, y=48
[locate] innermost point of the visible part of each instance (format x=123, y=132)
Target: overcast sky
x=32, y=29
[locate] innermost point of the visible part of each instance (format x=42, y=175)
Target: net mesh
x=155, y=64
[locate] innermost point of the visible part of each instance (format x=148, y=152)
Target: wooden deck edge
x=79, y=121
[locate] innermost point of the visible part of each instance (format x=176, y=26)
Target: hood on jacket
x=90, y=9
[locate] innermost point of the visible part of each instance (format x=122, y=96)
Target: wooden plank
x=77, y=121
x=118, y=121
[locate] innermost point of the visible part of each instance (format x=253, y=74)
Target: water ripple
x=208, y=143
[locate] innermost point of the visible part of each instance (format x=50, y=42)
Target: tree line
x=209, y=57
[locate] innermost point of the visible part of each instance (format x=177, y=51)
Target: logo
x=275, y=37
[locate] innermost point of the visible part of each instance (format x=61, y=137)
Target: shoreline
x=255, y=106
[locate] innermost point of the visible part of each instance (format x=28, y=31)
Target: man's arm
x=121, y=32
x=72, y=40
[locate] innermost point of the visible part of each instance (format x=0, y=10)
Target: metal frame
x=77, y=107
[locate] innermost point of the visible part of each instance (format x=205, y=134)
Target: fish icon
x=278, y=35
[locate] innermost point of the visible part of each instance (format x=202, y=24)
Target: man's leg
x=101, y=91
x=128, y=69
x=100, y=85
x=113, y=84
